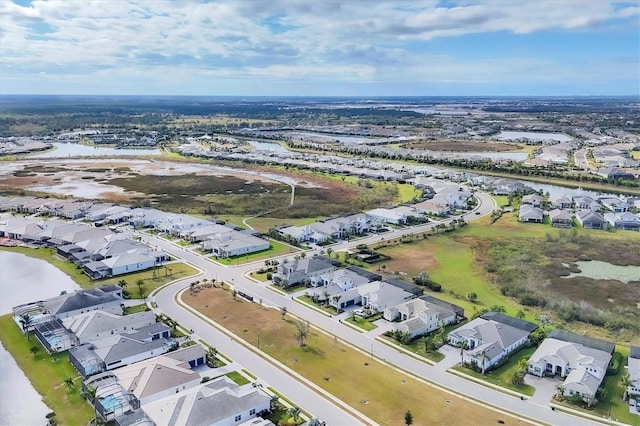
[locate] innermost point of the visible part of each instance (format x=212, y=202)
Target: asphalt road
x=294, y=389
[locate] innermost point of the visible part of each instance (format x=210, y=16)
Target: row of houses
x=586, y=218
x=601, y=204
x=139, y=374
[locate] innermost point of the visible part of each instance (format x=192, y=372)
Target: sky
x=320, y=47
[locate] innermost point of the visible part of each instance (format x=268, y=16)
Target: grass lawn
x=407, y=192
x=264, y=223
x=238, y=378
x=326, y=308
x=346, y=373
x=47, y=374
x=417, y=347
x=128, y=310
x=364, y=324
x=499, y=375
x=277, y=249
x=260, y=276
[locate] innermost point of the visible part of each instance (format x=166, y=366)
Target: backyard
x=346, y=373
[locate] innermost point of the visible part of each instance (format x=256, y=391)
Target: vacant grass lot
x=346, y=373
x=47, y=374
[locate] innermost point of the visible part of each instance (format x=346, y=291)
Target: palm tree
x=34, y=350
x=484, y=361
x=26, y=322
x=283, y=311
x=294, y=412
x=90, y=394
x=122, y=283
x=273, y=404
x=68, y=382
x=302, y=331
x=625, y=381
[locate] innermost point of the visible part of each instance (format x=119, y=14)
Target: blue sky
x=329, y=47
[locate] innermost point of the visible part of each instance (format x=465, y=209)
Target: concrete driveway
x=451, y=357
x=545, y=388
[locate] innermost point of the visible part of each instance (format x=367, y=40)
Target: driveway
x=545, y=388
x=451, y=357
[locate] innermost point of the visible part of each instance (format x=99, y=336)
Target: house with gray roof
x=489, y=340
x=560, y=218
x=420, y=316
x=298, y=270
x=112, y=400
x=97, y=325
x=530, y=214
x=220, y=402
x=625, y=221
x=123, y=349
x=590, y=219
x=533, y=200
x=583, y=367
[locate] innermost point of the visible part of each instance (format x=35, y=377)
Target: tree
x=26, y=322
x=122, y=283
x=329, y=251
x=473, y=297
x=520, y=314
x=498, y=308
x=408, y=418
x=141, y=289
x=34, y=350
x=383, y=267
x=625, y=381
x=68, y=382
x=302, y=331
x=283, y=311
x=273, y=403
x=294, y=412
x=89, y=393
x=336, y=299
x=484, y=361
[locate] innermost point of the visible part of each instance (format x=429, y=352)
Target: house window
x=238, y=417
x=252, y=411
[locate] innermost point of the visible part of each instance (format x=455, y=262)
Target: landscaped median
x=337, y=368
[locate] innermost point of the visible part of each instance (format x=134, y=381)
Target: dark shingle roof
x=589, y=342
x=371, y=276
x=513, y=322
x=455, y=308
x=635, y=352
x=411, y=288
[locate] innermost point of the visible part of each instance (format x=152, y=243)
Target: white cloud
x=281, y=40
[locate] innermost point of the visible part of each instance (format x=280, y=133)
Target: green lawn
x=260, y=276
x=47, y=374
x=128, y=310
x=326, y=308
x=499, y=375
x=264, y=223
x=277, y=249
x=417, y=347
x=364, y=324
x=407, y=192
x=238, y=378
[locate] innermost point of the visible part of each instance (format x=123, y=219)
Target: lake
x=77, y=150
x=515, y=156
x=599, y=270
x=266, y=146
x=24, y=279
x=534, y=136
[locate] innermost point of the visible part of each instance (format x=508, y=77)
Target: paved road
x=298, y=392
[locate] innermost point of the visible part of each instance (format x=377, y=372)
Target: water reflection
x=77, y=150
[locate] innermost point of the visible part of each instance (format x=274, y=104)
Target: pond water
x=266, y=146
x=515, y=156
x=599, y=270
x=77, y=150
x=534, y=136
x=24, y=279
x=562, y=191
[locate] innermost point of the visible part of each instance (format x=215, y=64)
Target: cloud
x=372, y=40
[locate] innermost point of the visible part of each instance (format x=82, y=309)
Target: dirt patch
x=407, y=259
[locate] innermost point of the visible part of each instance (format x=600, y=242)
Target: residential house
x=122, y=349
x=204, y=232
x=387, y=216
x=530, y=214
x=296, y=271
x=421, y=316
x=162, y=376
x=580, y=360
x=614, y=204
x=490, y=338
x=112, y=400
x=560, y=202
x=533, y=200
x=561, y=218
x=590, y=219
x=299, y=234
x=633, y=389
x=432, y=207
x=220, y=402
x=235, y=243
x=97, y=325
x=379, y=295
x=586, y=203
x=625, y=221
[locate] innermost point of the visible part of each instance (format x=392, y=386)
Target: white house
x=490, y=338
x=530, y=214
x=419, y=316
x=387, y=216
x=378, y=295
x=533, y=200
x=580, y=360
x=96, y=325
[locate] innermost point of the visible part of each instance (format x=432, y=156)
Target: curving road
x=301, y=393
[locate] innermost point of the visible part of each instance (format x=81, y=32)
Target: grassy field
x=499, y=376
x=47, y=374
x=417, y=347
x=128, y=310
x=348, y=374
